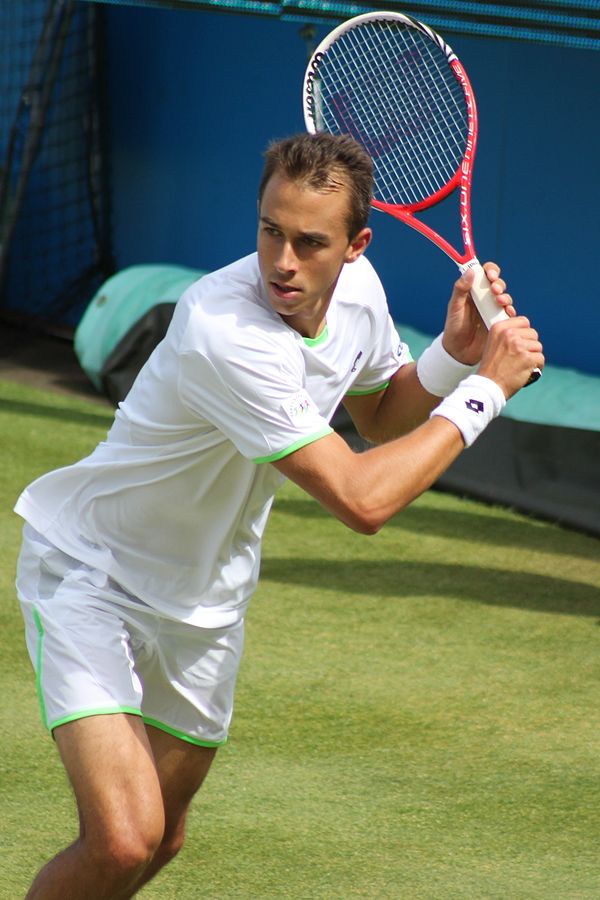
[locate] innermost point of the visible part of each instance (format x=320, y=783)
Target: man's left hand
x=465, y=333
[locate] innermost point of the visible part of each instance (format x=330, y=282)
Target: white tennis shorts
x=97, y=650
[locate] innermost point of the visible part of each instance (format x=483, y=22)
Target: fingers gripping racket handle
x=485, y=301
x=483, y=296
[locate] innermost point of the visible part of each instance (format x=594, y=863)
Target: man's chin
x=285, y=306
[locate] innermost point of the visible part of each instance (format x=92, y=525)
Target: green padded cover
x=121, y=302
x=563, y=397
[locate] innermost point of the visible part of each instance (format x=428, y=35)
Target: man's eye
x=312, y=242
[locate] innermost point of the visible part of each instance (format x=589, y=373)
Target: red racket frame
x=461, y=180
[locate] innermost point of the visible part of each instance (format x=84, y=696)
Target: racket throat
x=472, y=263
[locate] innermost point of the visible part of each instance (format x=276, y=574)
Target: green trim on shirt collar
x=312, y=342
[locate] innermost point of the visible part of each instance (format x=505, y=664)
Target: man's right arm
x=364, y=490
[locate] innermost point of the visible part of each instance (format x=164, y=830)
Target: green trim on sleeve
x=38, y=673
x=296, y=446
x=374, y=390
x=182, y=736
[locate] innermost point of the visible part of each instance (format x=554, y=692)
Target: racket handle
x=485, y=301
x=483, y=296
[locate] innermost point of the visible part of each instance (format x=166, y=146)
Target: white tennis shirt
x=173, y=504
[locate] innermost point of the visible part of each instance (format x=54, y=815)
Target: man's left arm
x=406, y=403
x=395, y=411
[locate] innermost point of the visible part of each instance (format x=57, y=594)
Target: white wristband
x=472, y=406
x=438, y=372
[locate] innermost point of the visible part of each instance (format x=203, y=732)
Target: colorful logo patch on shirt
x=299, y=407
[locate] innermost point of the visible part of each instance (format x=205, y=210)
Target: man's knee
x=127, y=849
x=170, y=845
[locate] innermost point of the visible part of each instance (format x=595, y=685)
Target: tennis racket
x=398, y=89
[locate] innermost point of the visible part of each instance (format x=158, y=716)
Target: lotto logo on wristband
x=475, y=405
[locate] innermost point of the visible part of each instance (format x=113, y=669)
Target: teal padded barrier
x=541, y=455
x=563, y=397
x=121, y=302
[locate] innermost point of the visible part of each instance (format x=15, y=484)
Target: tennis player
x=138, y=562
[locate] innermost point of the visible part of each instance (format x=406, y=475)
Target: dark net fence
x=54, y=235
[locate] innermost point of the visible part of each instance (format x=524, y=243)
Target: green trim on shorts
x=38, y=675
x=296, y=446
x=131, y=711
x=181, y=735
x=86, y=713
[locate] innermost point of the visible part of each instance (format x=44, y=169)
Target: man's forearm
x=404, y=405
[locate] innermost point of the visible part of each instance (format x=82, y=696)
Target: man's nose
x=286, y=260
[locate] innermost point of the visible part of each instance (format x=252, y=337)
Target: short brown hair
x=324, y=162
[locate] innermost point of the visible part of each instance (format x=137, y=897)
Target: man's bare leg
x=182, y=767
x=133, y=787
x=111, y=767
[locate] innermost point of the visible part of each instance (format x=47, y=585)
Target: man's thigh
x=131, y=782
x=112, y=770
x=181, y=768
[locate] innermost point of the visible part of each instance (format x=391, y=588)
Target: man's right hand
x=512, y=351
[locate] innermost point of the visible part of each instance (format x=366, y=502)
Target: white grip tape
x=438, y=372
x=472, y=406
x=483, y=296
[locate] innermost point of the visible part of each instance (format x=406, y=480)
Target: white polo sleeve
x=254, y=396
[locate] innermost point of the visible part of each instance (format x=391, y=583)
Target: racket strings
x=421, y=161
x=393, y=89
x=415, y=106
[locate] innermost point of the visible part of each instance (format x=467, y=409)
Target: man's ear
x=358, y=245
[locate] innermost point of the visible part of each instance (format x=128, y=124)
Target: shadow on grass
x=496, y=587
x=62, y=413
x=468, y=525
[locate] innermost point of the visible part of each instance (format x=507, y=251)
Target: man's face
x=302, y=245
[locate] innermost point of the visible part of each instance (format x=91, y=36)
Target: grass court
x=417, y=715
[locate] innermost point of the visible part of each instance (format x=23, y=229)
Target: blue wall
x=195, y=97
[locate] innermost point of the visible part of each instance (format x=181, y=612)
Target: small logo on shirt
x=299, y=406
x=356, y=361
x=475, y=405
